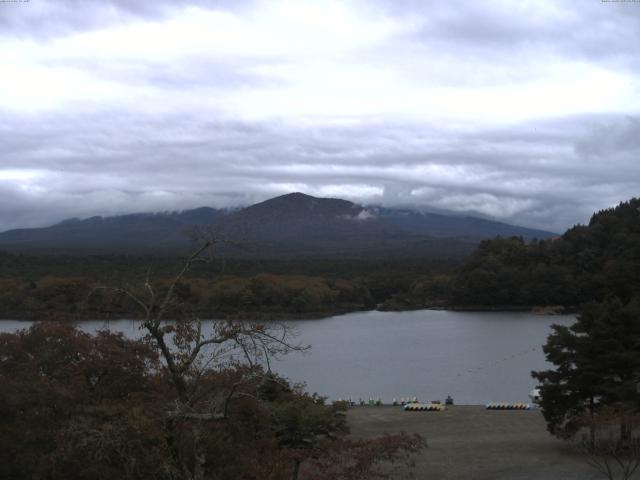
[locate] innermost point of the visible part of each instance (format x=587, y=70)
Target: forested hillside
x=587, y=263
x=40, y=287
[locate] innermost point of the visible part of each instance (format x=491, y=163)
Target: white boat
x=534, y=395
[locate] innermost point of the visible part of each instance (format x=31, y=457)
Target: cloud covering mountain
x=527, y=112
x=291, y=225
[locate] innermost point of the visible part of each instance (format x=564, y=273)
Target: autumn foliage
x=80, y=406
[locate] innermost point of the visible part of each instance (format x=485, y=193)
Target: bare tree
x=191, y=350
x=612, y=446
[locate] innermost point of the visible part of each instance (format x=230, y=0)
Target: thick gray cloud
x=528, y=112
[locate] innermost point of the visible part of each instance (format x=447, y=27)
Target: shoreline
x=542, y=310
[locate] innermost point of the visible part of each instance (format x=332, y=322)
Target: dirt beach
x=469, y=442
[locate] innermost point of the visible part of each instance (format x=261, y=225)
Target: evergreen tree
x=586, y=263
x=597, y=362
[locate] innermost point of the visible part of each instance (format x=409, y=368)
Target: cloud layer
x=526, y=111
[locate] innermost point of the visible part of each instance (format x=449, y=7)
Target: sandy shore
x=469, y=442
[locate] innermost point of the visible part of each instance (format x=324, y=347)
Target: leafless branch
x=607, y=449
x=195, y=257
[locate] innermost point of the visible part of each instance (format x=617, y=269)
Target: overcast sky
x=527, y=111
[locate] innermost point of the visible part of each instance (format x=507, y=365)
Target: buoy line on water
x=495, y=363
x=508, y=406
x=471, y=371
x=424, y=407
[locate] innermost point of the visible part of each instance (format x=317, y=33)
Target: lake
x=476, y=357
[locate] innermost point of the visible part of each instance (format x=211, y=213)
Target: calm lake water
x=475, y=357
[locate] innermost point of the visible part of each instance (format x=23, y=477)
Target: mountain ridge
x=288, y=225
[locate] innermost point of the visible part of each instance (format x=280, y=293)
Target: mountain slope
x=290, y=225
x=448, y=226
x=136, y=232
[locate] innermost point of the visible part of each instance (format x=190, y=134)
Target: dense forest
x=57, y=286
x=587, y=263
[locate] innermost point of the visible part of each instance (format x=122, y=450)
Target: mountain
x=453, y=226
x=155, y=232
x=291, y=225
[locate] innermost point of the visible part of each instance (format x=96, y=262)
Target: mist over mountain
x=286, y=226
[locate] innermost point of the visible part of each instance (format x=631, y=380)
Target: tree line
x=64, y=286
x=224, y=296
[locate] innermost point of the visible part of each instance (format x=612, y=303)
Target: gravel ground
x=469, y=442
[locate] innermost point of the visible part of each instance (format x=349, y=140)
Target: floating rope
x=507, y=406
x=496, y=363
x=424, y=407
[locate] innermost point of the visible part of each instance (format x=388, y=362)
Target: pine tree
x=597, y=362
